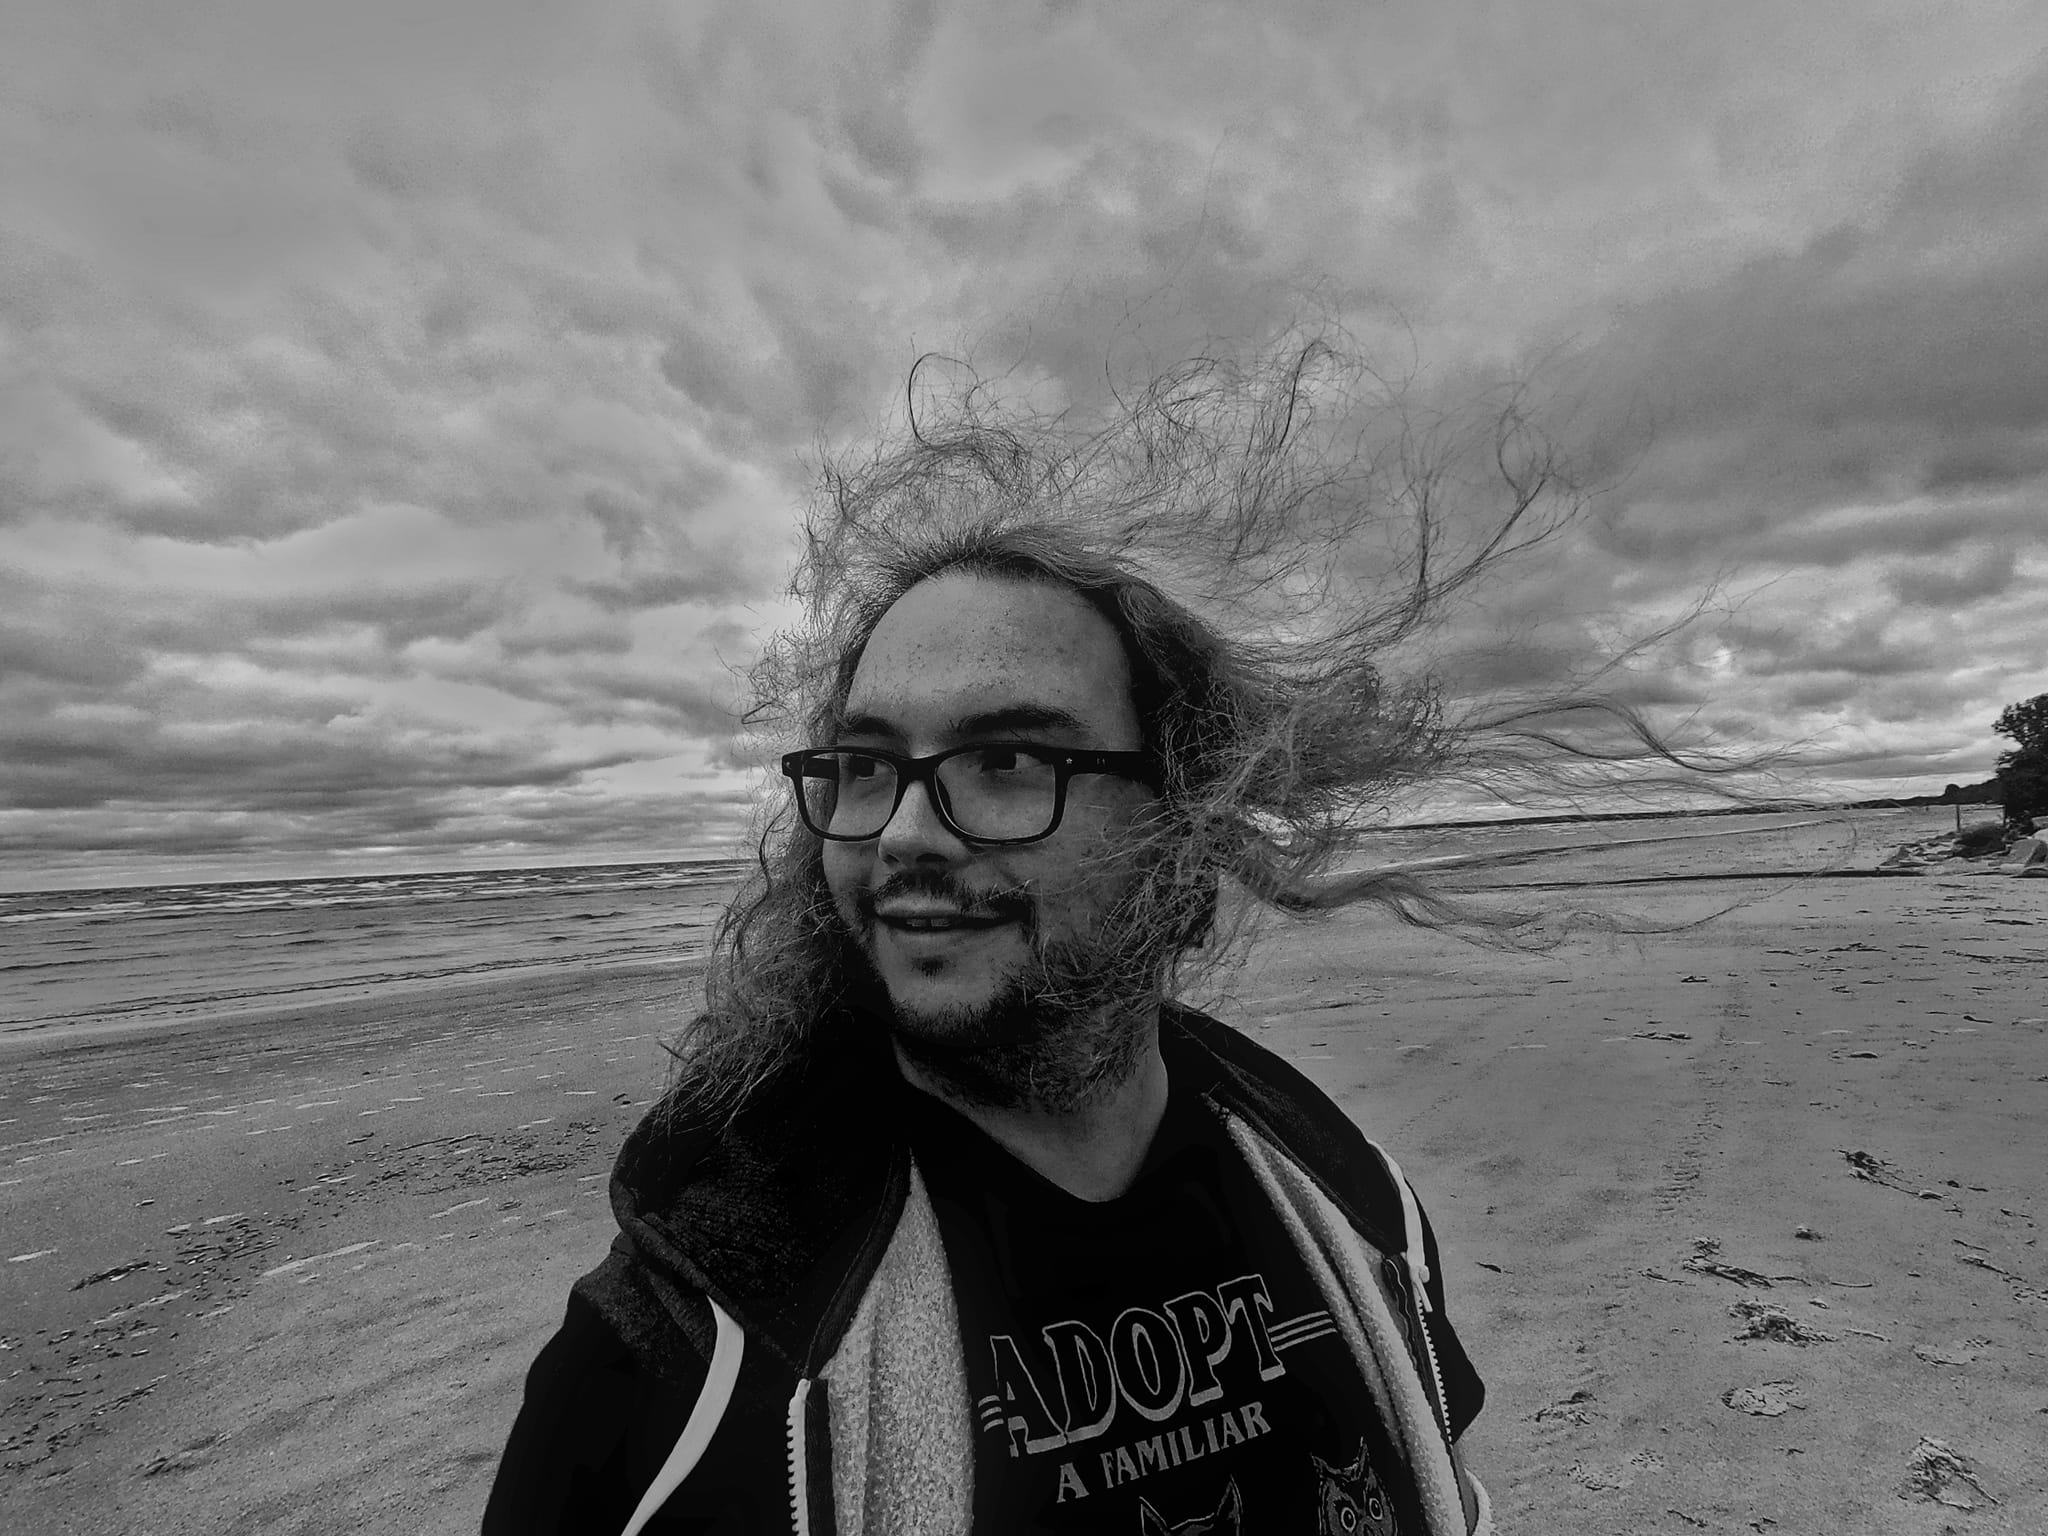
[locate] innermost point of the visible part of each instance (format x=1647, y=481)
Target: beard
x=1068, y=1025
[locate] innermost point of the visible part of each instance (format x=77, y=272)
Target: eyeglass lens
x=989, y=792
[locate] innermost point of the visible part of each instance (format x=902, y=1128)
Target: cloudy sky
x=404, y=407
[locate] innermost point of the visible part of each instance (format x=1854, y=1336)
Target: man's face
x=963, y=658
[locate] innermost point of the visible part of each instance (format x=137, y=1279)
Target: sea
x=92, y=960
x=89, y=960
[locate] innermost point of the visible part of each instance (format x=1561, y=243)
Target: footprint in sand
x=1937, y=1474
x=1767, y=1400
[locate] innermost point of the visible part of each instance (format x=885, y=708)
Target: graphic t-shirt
x=1157, y=1363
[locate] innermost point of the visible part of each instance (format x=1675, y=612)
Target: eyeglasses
x=986, y=792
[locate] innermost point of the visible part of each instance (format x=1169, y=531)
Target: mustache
x=1012, y=902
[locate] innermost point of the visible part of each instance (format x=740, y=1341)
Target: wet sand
x=285, y=1272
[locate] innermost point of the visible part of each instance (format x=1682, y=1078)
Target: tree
x=2023, y=772
x=2026, y=723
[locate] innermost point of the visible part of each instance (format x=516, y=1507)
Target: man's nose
x=915, y=831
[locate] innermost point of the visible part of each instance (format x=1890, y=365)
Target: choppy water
x=84, y=959
x=158, y=954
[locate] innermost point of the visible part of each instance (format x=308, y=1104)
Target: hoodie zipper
x=799, y=1462
x=1411, y=1290
x=1436, y=1374
x=803, y=1409
x=812, y=1508
x=1397, y=1273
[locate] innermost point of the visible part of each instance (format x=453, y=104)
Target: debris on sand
x=1768, y=1400
x=1871, y=1168
x=1938, y=1475
x=1703, y=1262
x=1966, y=1353
x=1610, y=1478
x=1761, y=1320
x=1568, y=1410
x=1980, y=842
x=116, y=1273
x=194, y=1454
x=2022, y=1288
x=1979, y=839
x=1809, y=1235
x=1978, y=1261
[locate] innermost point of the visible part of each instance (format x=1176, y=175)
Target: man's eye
x=857, y=766
x=998, y=760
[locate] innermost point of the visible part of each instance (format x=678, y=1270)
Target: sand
x=285, y=1272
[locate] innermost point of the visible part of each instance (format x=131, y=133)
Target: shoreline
x=270, y=1010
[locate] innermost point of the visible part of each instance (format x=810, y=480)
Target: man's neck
x=1093, y=1152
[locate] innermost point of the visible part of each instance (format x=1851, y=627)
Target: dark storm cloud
x=272, y=764
x=1850, y=433
x=85, y=660
x=1986, y=573
x=1902, y=352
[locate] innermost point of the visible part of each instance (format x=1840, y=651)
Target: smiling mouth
x=950, y=922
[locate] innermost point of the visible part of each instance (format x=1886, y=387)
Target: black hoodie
x=781, y=1220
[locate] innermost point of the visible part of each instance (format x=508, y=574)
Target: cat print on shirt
x=1226, y=1520
x=1350, y=1501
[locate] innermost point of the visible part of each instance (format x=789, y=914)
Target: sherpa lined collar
x=782, y=1217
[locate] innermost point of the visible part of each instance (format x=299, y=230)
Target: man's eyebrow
x=1019, y=717
x=1009, y=720
x=866, y=725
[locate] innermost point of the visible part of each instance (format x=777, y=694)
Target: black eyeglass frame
x=1066, y=762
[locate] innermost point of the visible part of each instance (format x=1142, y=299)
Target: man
x=952, y=1219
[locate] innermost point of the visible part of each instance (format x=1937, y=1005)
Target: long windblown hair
x=1265, y=575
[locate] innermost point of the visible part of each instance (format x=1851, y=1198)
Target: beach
x=1739, y=1215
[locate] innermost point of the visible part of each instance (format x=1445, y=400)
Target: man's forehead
x=961, y=653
